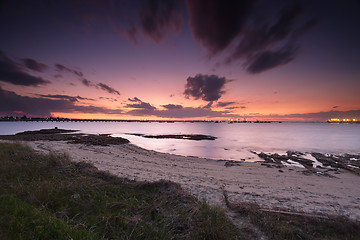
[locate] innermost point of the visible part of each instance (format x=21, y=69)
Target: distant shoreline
x=58, y=119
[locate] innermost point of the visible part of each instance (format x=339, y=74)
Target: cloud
x=207, y=87
x=139, y=104
x=158, y=17
x=216, y=23
x=335, y=107
x=269, y=59
x=135, y=99
x=101, y=86
x=106, y=88
x=109, y=99
x=260, y=37
x=225, y=104
x=207, y=106
x=172, y=106
x=34, y=65
x=66, y=97
x=11, y=102
x=87, y=83
x=62, y=68
x=11, y=72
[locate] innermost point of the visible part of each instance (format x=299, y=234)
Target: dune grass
x=286, y=224
x=50, y=197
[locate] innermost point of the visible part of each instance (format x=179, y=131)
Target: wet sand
x=270, y=187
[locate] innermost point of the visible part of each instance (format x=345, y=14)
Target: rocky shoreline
x=70, y=136
x=314, y=163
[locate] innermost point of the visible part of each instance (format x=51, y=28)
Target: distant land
x=59, y=119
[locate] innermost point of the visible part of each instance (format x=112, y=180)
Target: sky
x=180, y=60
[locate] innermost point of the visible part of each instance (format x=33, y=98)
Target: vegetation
x=47, y=196
x=285, y=224
x=50, y=197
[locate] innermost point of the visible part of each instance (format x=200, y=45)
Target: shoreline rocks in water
x=56, y=134
x=317, y=163
x=196, y=137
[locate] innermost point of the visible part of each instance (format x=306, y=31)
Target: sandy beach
x=287, y=187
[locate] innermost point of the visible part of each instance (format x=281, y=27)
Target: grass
x=47, y=196
x=285, y=224
x=50, y=197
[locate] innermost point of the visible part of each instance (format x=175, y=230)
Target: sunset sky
x=164, y=59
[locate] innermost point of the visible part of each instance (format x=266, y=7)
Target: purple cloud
x=140, y=104
x=62, y=68
x=87, y=83
x=207, y=87
x=65, y=97
x=158, y=17
x=101, y=86
x=34, y=65
x=259, y=38
x=10, y=72
x=269, y=59
x=106, y=88
x=33, y=106
x=215, y=23
x=172, y=106
x=225, y=104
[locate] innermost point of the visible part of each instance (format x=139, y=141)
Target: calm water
x=235, y=141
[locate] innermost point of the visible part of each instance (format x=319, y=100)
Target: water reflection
x=234, y=141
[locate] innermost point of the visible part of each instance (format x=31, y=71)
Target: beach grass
x=290, y=224
x=47, y=196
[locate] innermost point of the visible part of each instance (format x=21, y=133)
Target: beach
x=270, y=187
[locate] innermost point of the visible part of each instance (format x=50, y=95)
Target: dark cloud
x=140, y=104
x=34, y=65
x=101, y=86
x=232, y=108
x=269, y=59
x=209, y=105
x=135, y=99
x=62, y=68
x=12, y=102
x=158, y=17
x=66, y=97
x=335, y=107
x=106, y=88
x=109, y=99
x=11, y=72
x=261, y=37
x=207, y=87
x=87, y=83
x=225, y=104
x=172, y=106
x=272, y=43
x=215, y=23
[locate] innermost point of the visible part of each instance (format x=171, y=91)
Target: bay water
x=237, y=141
